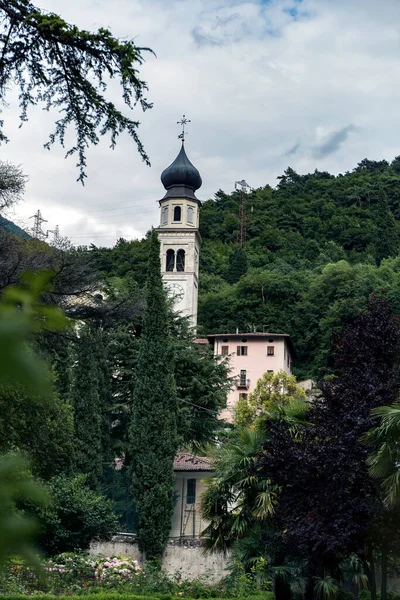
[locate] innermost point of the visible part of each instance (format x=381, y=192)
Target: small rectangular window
x=191, y=491
x=244, y=396
x=243, y=377
x=270, y=350
x=224, y=350
x=270, y=371
x=284, y=352
x=288, y=360
x=241, y=351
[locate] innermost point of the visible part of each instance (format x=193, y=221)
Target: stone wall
x=184, y=555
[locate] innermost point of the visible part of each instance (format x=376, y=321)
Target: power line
x=130, y=206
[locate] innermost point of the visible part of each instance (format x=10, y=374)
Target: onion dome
x=181, y=179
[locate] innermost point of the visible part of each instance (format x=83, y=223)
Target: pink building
x=251, y=355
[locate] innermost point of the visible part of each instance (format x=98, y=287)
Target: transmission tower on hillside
x=56, y=235
x=37, y=231
x=242, y=186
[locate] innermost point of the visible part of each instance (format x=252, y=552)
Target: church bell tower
x=179, y=233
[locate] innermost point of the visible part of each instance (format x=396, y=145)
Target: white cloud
x=257, y=79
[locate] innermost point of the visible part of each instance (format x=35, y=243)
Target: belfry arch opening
x=170, y=260
x=180, y=260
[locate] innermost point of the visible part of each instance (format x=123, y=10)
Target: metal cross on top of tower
x=183, y=122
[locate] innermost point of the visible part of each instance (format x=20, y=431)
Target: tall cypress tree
x=153, y=431
x=86, y=408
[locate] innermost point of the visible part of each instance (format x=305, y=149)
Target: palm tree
x=238, y=497
x=384, y=463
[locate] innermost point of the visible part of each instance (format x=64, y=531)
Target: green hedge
x=100, y=595
x=104, y=595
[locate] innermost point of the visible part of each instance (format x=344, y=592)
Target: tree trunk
x=371, y=573
x=309, y=592
x=282, y=589
x=384, y=568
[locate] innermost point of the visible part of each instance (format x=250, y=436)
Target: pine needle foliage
x=62, y=67
x=154, y=428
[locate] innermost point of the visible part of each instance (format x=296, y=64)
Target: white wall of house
x=187, y=521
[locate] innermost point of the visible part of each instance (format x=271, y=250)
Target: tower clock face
x=175, y=291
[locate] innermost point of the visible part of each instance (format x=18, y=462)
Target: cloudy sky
x=267, y=84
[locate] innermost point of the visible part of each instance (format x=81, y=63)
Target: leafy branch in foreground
x=21, y=314
x=63, y=67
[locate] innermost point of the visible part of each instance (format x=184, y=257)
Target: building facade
x=250, y=356
x=179, y=234
x=190, y=473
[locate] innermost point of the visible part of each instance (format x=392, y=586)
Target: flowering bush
x=71, y=574
x=116, y=570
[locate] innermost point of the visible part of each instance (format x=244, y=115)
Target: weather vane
x=183, y=122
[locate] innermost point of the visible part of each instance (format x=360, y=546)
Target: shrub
x=82, y=574
x=74, y=517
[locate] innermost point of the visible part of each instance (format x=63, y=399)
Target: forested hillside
x=317, y=247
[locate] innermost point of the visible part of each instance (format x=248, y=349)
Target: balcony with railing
x=242, y=383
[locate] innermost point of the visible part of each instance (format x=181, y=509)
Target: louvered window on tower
x=177, y=214
x=170, y=261
x=191, y=491
x=180, y=260
x=165, y=215
x=190, y=212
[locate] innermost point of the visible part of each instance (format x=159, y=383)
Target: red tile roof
x=189, y=462
x=249, y=334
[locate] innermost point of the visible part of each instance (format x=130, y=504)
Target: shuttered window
x=241, y=351
x=270, y=350
x=191, y=491
x=224, y=350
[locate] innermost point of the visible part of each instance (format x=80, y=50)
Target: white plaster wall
x=187, y=557
x=184, y=203
x=187, y=518
x=188, y=279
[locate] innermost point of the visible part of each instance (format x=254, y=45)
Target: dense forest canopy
x=317, y=246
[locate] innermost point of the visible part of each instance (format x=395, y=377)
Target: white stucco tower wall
x=179, y=235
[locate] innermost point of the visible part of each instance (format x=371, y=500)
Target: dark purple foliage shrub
x=328, y=501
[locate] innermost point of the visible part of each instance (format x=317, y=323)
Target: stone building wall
x=186, y=556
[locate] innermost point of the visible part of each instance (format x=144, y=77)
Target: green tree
x=74, y=516
x=154, y=426
x=384, y=462
x=237, y=265
x=86, y=404
x=272, y=390
x=387, y=230
x=21, y=314
x=236, y=497
x=40, y=427
x=63, y=67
